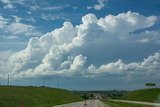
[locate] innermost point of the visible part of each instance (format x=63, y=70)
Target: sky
x=80, y=44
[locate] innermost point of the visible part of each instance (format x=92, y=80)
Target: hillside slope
x=35, y=96
x=148, y=95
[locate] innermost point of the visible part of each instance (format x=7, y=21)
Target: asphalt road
x=88, y=103
x=139, y=102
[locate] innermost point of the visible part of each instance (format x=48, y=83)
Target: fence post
x=21, y=103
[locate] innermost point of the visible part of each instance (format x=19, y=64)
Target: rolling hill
x=147, y=95
x=13, y=96
x=144, y=95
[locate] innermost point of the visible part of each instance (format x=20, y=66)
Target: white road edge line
x=72, y=103
x=138, y=102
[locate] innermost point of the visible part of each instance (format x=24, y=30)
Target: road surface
x=139, y=102
x=88, y=103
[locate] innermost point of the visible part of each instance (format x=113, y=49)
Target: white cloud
x=10, y=37
x=100, y=4
x=3, y=62
x=12, y=1
x=5, y=1
x=89, y=7
x=64, y=51
x=148, y=37
x=30, y=19
x=36, y=7
x=54, y=8
x=33, y=6
x=8, y=6
x=3, y=22
x=20, y=28
x=17, y=19
x=146, y=67
x=49, y=17
x=78, y=63
x=130, y=21
x=145, y=40
x=29, y=12
x=16, y=27
x=90, y=18
x=75, y=8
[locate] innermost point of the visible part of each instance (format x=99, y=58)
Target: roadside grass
x=146, y=95
x=121, y=104
x=11, y=96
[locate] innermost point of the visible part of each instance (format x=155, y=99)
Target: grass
x=147, y=95
x=121, y=104
x=11, y=96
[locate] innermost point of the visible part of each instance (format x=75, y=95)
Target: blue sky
x=80, y=44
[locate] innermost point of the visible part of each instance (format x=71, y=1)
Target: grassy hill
x=148, y=95
x=11, y=96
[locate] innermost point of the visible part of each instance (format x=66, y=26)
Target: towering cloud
x=67, y=50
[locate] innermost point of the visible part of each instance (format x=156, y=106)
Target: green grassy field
x=35, y=96
x=147, y=95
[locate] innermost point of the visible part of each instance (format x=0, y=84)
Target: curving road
x=88, y=103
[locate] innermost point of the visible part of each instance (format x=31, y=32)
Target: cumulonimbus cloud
x=64, y=50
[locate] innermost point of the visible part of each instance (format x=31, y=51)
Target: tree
x=150, y=85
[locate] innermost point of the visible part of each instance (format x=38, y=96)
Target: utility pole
x=8, y=80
